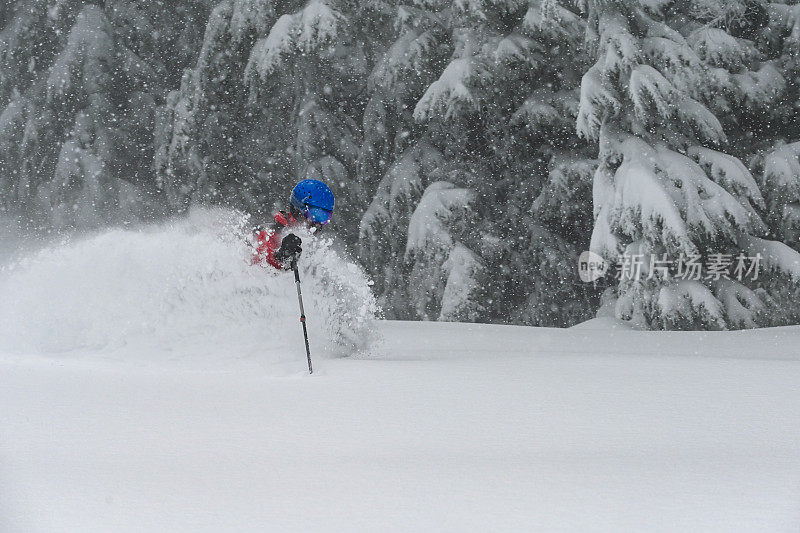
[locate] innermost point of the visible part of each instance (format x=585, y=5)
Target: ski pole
x=302, y=313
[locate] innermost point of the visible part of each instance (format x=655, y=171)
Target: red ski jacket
x=268, y=241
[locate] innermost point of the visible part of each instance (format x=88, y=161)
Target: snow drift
x=186, y=283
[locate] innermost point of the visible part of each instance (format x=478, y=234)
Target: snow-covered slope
x=445, y=427
x=152, y=380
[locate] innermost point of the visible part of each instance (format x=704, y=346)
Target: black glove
x=290, y=249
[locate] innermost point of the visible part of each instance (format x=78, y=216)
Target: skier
x=310, y=204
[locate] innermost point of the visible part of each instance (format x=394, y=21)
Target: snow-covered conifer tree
x=323, y=52
x=472, y=73
x=274, y=97
x=446, y=272
x=663, y=187
x=207, y=138
x=78, y=104
x=777, y=132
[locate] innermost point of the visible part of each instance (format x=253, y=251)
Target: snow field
x=450, y=427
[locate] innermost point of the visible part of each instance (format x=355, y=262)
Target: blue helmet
x=314, y=200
